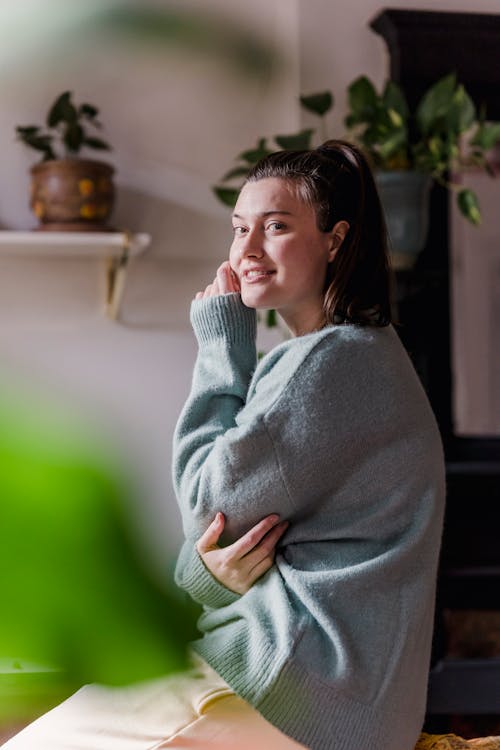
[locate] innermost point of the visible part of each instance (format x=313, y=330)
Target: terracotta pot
x=72, y=195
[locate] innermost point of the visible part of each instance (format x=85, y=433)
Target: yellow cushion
x=452, y=742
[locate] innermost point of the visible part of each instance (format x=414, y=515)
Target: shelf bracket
x=116, y=272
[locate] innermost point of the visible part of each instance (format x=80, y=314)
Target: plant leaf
x=320, y=103
x=462, y=111
x=271, y=320
x=226, y=195
x=469, y=206
x=435, y=104
x=362, y=98
x=88, y=110
x=296, y=142
x=235, y=172
x=23, y=130
x=252, y=156
x=486, y=136
x=62, y=110
x=394, y=99
x=73, y=137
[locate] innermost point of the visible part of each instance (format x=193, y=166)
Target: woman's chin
x=256, y=301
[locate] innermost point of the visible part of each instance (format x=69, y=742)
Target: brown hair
x=337, y=181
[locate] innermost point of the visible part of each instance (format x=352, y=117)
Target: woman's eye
x=238, y=231
x=276, y=226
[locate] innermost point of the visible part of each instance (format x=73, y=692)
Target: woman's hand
x=225, y=282
x=240, y=564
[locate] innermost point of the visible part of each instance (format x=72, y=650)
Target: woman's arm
x=216, y=576
x=222, y=462
x=240, y=564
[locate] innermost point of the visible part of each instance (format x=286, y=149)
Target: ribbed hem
x=224, y=316
x=203, y=587
x=311, y=712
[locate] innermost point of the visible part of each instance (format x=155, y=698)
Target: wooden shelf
x=115, y=248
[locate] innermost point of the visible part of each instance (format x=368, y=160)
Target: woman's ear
x=338, y=235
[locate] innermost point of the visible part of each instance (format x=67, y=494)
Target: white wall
x=175, y=119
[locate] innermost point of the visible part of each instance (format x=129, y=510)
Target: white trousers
x=195, y=709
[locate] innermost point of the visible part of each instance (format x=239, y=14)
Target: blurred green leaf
x=226, y=195
x=271, y=319
x=62, y=111
x=73, y=137
x=253, y=155
x=76, y=593
x=469, y=206
x=89, y=111
x=235, y=172
x=201, y=33
x=362, y=98
x=462, y=111
x=296, y=142
x=394, y=99
x=486, y=136
x=319, y=104
x=434, y=106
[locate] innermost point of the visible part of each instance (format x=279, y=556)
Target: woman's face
x=279, y=254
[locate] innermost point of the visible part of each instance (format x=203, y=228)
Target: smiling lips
x=253, y=275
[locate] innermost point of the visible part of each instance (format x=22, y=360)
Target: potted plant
x=408, y=151
x=443, y=137
x=68, y=192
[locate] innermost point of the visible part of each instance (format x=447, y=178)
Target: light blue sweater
x=331, y=430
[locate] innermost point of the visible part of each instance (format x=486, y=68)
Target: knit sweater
x=333, y=432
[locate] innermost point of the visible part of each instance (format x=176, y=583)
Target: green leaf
x=362, y=98
x=77, y=593
x=394, y=99
x=435, y=104
x=96, y=143
x=462, y=111
x=392, y=144
x=320, y=103
x=271, y=319
x=235, y=172
x=62, y=111
x=395, y=118
x=226, y=195
x=88, y=110
x=73, y=137
x=297, y=142
x=26, y=130
x=252, y=156
x=469, y=206
x=486, y=136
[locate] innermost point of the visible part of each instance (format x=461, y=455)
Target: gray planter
x=405, y=198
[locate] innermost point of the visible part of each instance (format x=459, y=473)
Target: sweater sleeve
x=222, y=461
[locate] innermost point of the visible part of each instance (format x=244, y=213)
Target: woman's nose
x=252, y=245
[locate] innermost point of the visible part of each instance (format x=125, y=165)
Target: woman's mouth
x=253, y=275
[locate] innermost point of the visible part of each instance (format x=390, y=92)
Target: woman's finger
x=267, y=547
x=259, y=570
x=236, y=281
x=248, y=541
x=224, y=278
x=215, y=291
x=209, y=539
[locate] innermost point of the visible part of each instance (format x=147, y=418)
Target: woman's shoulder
x=332, y=344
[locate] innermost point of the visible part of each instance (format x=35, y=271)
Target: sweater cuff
x=203, y=587
x=224, y=316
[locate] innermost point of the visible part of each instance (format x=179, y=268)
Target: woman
x=311, y=489
x=331, y=434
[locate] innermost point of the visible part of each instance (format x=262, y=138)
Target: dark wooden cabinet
x=423, y=46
